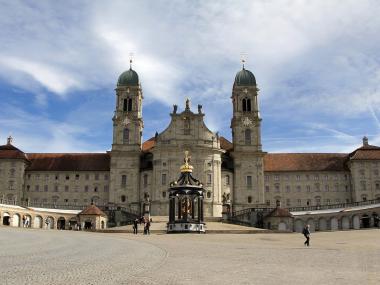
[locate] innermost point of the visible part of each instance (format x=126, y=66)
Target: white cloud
x=315, y=61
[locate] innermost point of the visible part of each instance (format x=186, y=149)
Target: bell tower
x=127, y=120
x=126, y=146
x=246, y=137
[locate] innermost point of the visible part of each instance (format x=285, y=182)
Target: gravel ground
x=64, y=257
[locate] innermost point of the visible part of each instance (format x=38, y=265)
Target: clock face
x=246, y=121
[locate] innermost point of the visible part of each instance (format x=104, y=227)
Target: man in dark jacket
x=306, y=233
x=135, y=225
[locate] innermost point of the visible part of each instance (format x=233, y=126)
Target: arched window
x=208, y=194
x=247, y=135
x=244, y=101
x=248, y=105
x=126, y=135
x=123, y=198
x=127, y=104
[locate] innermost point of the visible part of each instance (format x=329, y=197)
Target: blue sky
x=317, y=64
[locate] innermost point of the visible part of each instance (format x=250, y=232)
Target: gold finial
x=9, y=140
x=187, y=167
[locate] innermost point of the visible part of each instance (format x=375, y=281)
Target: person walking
x=135, y=225
x=148, y=227
x=306, y=233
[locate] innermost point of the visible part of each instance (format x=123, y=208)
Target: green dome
x=245, y=78
x=128, y=78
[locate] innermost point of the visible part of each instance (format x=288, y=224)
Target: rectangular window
x=56, y=189
x=145, y=180
x=266, y=177
x=267, y=202
x=266, y=188
x=163, y=179
x=307, y=177
x=287, y=188
x=249, y=181
x=87, y=176
x=299, y=202
x=105, y=176
x=86, y=188
x=105, y=188
x=307, y=188
x=123, y=180
x=227, y=180
x=11, y=185
x=377, y=186
x=276, y=178
x=326, y=177
x=66, y=188
x=298, y=177
x=37, y=188
x=96, y=176
x=46, y=188
x=277, y=187
x=209, y=178
x=76, y=176
x=46, y=177
x=316, y=177
x=327, y=188
x=288, y=202
x=298, y=188
x=37, y=177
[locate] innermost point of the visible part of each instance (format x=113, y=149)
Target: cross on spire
x=243, y=57
x=130, y=60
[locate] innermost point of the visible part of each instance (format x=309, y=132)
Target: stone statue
x=146, y=197
x=199, y=109
x=175, y=109
x=187, y=104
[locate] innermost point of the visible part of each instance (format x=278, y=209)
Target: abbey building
x=238, y=173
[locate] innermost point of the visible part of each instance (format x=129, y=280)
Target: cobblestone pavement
x=64, y=257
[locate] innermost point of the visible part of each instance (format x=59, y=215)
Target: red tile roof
x=366, y=152
x=9, y=151
x=69, y=162
x=93, y=210
x=225, y=144
x=305, y=162
x=149, y=144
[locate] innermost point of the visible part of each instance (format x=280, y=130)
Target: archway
x=311, y=223
x=282, y=226
x=6, y=219
x=37, y=223
x=345, y=223
x=298, y=226
x=334, y=225
x=356, y=222
x=26, y=221
x=73, y=223
x=365, y=221
x=322, y=224
x=61, y=223
x=102, y=225
x=88, y=225
x=49, y=221
x=16, y=220
x=376, y=220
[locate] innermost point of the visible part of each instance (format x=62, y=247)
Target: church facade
x=237, y=173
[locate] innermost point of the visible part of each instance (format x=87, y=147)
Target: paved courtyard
x=64, y=257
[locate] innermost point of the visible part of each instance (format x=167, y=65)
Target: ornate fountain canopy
x=186, y=180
